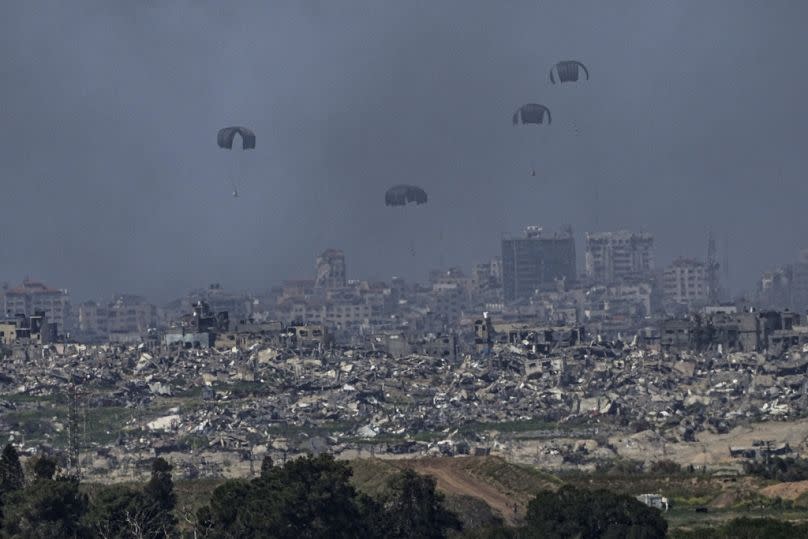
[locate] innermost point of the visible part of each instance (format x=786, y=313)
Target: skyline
x=689, y=123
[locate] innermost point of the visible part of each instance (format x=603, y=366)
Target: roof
x=29, y=286
x=618, y=235
x=329, y=253
x=299, y=283
x=682, y=262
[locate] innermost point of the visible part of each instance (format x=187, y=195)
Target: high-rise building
x=684, y=282
x=331, y=269
x=487, y=274
x=537, y=261
x=799, y=283
x=32, y=297
x=775, y=288
x=619, y=256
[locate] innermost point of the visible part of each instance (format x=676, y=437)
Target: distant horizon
x=692, y=120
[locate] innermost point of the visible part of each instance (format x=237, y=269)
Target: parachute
x=227, y=135
x=225, y=139
x=568, y=71
x=531, y=113
x=401, y=195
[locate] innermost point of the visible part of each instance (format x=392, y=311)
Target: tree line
x=309, y=497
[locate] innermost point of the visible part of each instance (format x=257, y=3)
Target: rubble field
x=108, y=409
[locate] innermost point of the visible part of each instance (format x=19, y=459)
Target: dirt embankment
x=458, y=482
x=786, y=491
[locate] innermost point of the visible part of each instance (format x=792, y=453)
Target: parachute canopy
x=568, y=71
x=401, y=195
x=227, y=135
x=531, y=113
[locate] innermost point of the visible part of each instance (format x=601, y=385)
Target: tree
x=153, y=512
x=266, y=466
x=413, y=508
x=46, y=508
x=748, y=528
x=307, y=497
x=227, y=515
x=573, y=512
x=110, y=512
x=44, y=467
x=11, y=476
x=751, y=528
x=122, y=512
x=160, y=487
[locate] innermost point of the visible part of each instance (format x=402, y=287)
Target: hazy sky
x=694, y=118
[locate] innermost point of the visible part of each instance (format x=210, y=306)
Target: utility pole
x=726, y=267
x=73, y=443
x=712, y=270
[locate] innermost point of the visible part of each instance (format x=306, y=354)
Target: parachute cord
x=240, y=179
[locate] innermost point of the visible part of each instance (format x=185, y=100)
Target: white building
x=684, y=282
x=616, y=256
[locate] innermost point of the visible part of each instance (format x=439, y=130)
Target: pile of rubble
x=245, y=401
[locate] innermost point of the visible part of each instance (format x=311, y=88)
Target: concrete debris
x=488, y=388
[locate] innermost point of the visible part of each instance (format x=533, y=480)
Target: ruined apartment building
x=537, y=261
x=785, y=287
x=487, y=274
x=32, y=297
x=331, y=269
x=685, y=283
x=619, y=256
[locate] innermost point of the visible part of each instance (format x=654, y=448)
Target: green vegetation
x=573, y=512
x=322, y=497
x=313, y=497
x=779, y=469
x=747, y=528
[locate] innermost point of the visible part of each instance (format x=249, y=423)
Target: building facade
x=619, y=256
x=93, y=319
x=33, y=297
x=331, y=269
x=131, y=314
x=537, y=261
x=685, y=283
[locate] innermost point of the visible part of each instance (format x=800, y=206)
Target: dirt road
x=456, y=481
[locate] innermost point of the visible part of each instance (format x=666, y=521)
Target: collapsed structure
x=214, y=395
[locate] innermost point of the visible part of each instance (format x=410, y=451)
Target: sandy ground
x=712, y=449
x=786, y=491
x=455, y=481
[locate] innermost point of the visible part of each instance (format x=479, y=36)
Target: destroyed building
x=283, y=390
x=198, y=329
x=31, y=297
x=35, y=329
x=785, y=287
x=619, y=256
x=239, y=305
x=331, y=271
x=537, y=261
x=751, y=331
x=532, y=337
